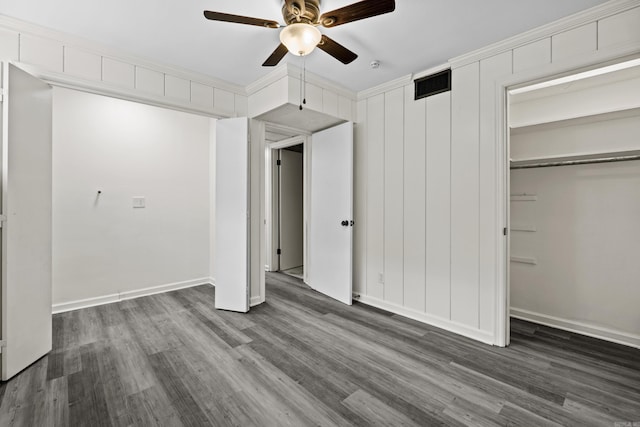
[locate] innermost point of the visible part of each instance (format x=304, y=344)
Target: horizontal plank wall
x=458, y=247
x=74, y=62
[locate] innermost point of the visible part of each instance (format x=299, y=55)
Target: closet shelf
x=577, y=120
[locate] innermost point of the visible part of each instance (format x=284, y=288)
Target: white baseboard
x=121, y=296
x=590, y=330
x=436, y=321
x=256, y=301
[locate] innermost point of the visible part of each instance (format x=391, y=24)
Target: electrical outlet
x=138, y=202
x=381, y=278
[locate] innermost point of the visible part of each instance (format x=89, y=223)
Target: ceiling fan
x=300, y=34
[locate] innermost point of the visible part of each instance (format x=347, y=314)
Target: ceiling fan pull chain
x=304, y=80
x=301, y=84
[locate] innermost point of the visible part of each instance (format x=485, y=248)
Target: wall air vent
x=433, y=84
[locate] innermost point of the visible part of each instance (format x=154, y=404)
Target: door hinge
x=504, y=231
x=279, y=252
x=279, y=162
x=1, y=94
x=3, y=344
x=3, y=219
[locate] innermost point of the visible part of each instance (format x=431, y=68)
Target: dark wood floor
x=302, y=359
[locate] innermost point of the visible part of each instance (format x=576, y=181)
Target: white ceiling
x=418, y=35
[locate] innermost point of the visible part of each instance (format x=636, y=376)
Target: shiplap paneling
x=201, y=95
x=40, y=51
x=81, y=63
x=414, y=200
x=118, y=72
x=465, y=201
x=224, y=100
x=620, y=29
x=375, y=195
x=393, y=196
x=9, y=45
x=360, y=200
x=491, y=69
x=177, y=88
x=150, y=81
x=578, y=41
x=313, y=95
x=242, y=105
x=345, y=108
x=330, y=103
x=532, y=55
x=438, y=205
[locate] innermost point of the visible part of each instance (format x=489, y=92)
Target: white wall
x=585, y=244
x=458, y=274
x=103, y=246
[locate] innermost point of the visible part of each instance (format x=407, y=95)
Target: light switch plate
x=138, y=202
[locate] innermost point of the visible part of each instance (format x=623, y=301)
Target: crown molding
x=567, y=23
x=292, y=71
x=385, y=87
x=315, y=79
x=68, y=40
x=266, y=80
x=432, y=70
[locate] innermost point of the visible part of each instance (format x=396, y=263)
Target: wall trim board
x=572, y=21
x=423, y=317
x=432, y=70
x=292, y=71
x=68, y=40
x=107, y=299
x=386, y=87
x=257, y=300
x=590, y=330
x=104, y=89
x=524, y=260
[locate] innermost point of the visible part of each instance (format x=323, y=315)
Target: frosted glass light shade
x=300, y=39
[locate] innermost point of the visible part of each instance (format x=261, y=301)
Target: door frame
x=271, y=201
x=503, y=86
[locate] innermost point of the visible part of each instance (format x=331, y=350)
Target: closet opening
x=574, y=204
x=286, y=201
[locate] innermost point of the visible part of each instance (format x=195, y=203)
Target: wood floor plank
x=302, y=359
x=374, y=411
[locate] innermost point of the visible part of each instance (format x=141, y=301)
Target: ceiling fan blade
x=356, y=11
x=276, y=56
x=336, y=50
x=238, y=19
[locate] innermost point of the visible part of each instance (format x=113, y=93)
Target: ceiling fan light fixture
x=301, y=38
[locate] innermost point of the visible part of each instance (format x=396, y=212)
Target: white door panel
x=26, y=235
x=231, y=220
x=330, y=245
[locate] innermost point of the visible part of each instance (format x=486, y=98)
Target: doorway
x=574, y=197
x=286, y=200
x=290, y=209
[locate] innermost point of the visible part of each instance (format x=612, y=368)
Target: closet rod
x=577, y=162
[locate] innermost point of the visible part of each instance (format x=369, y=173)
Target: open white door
x=231, y=261
x=26, y=206
x=331, y=222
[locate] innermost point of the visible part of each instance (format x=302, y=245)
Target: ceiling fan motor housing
x=301, y=11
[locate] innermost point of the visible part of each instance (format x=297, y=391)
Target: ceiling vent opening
x=433, y=84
